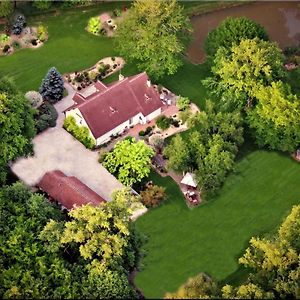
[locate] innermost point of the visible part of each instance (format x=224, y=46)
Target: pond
x=280, y=19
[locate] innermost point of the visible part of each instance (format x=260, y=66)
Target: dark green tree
x=231, y=32
x=16, y=125
x=52, y=87
x=6, y=8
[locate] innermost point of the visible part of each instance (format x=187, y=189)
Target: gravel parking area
x=56, y=149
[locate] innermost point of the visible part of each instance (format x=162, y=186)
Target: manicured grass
x=211, y=238
x=69, y=47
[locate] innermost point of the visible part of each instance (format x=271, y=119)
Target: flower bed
x=106, y=23
x=31, y=37
x=103, y=68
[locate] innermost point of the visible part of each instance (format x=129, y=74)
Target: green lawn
x=69, y=47
x=211, y=238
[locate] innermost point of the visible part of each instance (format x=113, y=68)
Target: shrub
x=81, y=133
x=4, y=38
x=79, y=77
x=6, y=48
x=117, y=12
x=183, y=103
x=102, y=156
x=52, y=87
x=174, y=122
x=148, y=130
x=103, y=32
x=163, y=122
x=34, y=42
x=42, y=33
x=16, y=45
x=94, y=25
x=19, y=25
x=142, y=133
x=153, y=195
x=113, y=58
x=47, y=116
x=184, y=115
x=35, y=98
x=157, y=141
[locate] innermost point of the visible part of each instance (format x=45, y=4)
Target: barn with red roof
x=68, y=191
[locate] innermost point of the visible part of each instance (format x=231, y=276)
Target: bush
x=35, y=98
x=6, y=48
x=174, y=122
x=157, y=141
x=117, y=12
x=142, y=133
x=16, y=45
x=184, y=115
x=42, y=33
x=19, y=25
x=153, y=195
x=163, y=122
x=183, y=103
x=81, y=133
x=47, y=116
x=94, y=25
x=102, y=156
x=4, y=38
x=34, y=42
x=148, y=130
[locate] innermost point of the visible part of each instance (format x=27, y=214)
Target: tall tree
x=231, y=32
x=238, y=72
x=275, y=118
x=16, y=125
x=52, y=87
x=152, y=34
x=130, y=161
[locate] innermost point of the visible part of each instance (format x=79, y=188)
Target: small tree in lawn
x=153, y=195
x=52, y=87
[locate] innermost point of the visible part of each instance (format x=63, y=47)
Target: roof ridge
x=137, y=76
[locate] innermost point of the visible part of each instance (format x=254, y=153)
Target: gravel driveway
x=56, y=149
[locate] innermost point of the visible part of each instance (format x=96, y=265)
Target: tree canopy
x=130, y=161
x=231, y=32
x=241, y=70
x=45, y=254
x=210, y=147
x=275, y=118
x=152, y=34
x=16, y=125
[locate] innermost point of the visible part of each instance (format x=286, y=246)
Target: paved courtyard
x=56, y=149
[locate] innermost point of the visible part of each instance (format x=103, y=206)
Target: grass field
x=211, y=238
x=69, y=47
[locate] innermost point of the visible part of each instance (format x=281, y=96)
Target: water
x=280, y=19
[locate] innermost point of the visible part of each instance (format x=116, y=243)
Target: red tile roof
x=69, y=191
x=118, y=102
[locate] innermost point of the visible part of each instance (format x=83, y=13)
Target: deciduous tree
x=152, y=34
x=231, y=32
x=6, y=8
x=16, y=125
x=275, y=118
x=241, y=70
x=129, y=160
